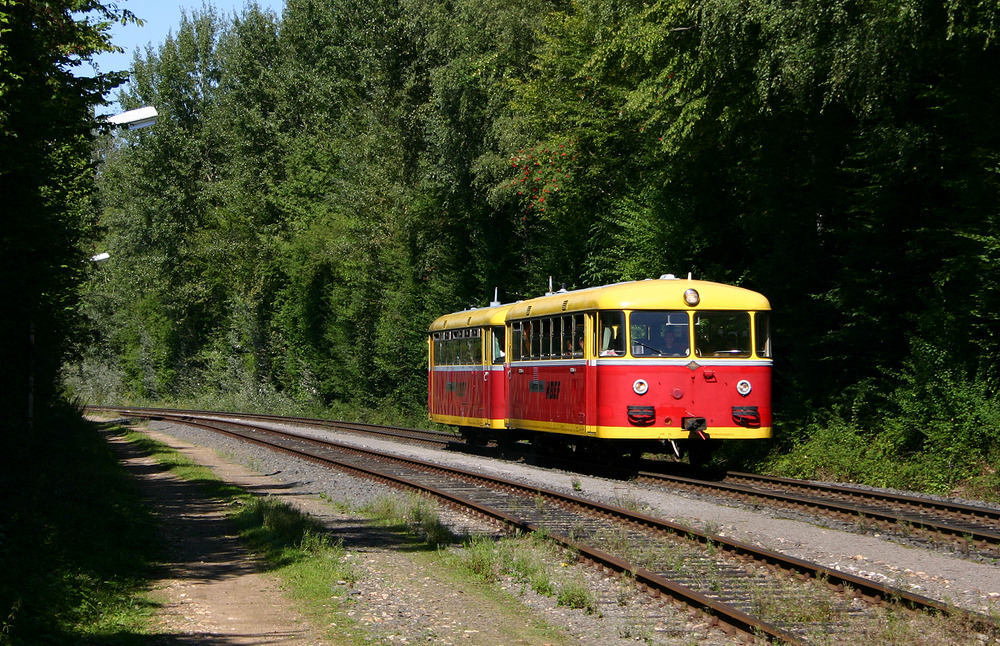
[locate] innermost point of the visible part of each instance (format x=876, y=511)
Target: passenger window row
x=458, y=347
x=553, y=337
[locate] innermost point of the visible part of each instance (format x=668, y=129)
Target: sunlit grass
x=533, y=562
x=415, y=513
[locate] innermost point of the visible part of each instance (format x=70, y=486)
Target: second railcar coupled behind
x=625, y=368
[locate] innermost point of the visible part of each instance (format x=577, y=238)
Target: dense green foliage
x=324, y=183
x=46, y=180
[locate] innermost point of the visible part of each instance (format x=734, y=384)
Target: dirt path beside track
x=213, y=591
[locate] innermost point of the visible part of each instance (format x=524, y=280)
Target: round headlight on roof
x=691, y=297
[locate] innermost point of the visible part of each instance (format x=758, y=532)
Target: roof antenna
x=550, y=292
x=689, y=275
x=496, y=297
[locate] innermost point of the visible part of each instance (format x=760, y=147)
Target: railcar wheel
x=587, y=449
x=507, y=444
x=547, y=445
x=474, y=436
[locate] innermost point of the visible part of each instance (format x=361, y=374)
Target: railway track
x=437, y=439
x=970, y=530
x=759, y=594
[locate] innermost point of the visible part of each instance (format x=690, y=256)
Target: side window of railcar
x=611, y=334
x=722, y=334
x=578, y=337
x=517, y=342
x=536, y=338
x=545, y=325
x=498, y=340
x=566, y=340
x=762, y=325
x=476, y=346
x=445, y=355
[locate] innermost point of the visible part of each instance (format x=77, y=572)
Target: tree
x=47, y=125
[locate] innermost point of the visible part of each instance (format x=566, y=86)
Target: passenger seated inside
x=676, y=341
x=656, y=333
x=611, y=334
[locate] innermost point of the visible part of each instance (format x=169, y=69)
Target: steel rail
x=433, y=438
x=956, y=532
x=916, y=502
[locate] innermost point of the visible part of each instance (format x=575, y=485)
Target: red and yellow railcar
x=465, y=380
x=624, y=368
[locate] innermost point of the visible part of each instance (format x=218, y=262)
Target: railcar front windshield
x=498, y=344
x=659, y=334
x=722, y=334
x=762, y=327
x=670, y=333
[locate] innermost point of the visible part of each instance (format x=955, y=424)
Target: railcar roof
x=653, y=294
x=480, y=317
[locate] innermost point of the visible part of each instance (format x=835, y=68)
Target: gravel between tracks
x=398, y=606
